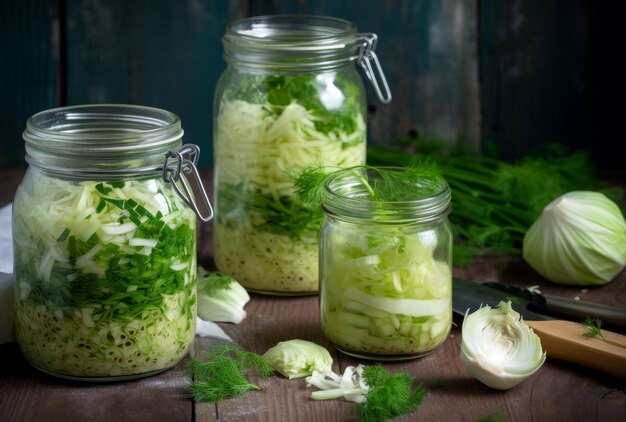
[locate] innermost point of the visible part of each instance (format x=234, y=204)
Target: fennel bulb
x=498, y=348
x=299, y=358
x=580, y=238
x=220, y=298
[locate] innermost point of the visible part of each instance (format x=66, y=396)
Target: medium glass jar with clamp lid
x=386, y=262
x=290, y=97
x=104, y=230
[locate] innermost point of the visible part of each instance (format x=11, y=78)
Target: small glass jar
x=385, y=264
x=104, y=243
x=291, y=97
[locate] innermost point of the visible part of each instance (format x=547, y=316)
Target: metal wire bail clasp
x=374, y=73
x=183, y=162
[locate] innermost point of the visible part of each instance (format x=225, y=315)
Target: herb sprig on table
x=593, y=327
x=382, y=394
x=225, y=373
x=390, y=394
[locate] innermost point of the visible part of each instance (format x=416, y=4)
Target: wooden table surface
x=560, y=391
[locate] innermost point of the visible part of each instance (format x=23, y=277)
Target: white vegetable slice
x=498, y=348
x=350, y=385
x=412, y=307
x=299, y=358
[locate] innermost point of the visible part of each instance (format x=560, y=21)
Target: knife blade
x=564, y=306
x=560, y=339
x=533, y=305
x=471, y=295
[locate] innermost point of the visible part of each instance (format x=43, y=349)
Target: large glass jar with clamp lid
x=291, y=97
x=104, y=236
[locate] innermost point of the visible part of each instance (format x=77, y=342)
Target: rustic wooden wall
x=515, y=73
x=552, y=71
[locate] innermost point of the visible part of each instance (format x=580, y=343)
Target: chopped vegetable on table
x=380, y=395
x=224, y=373
x=299, y=358
x=220, y=298
x=498, y=348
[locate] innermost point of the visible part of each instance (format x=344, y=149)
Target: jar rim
x=105, y=138
x=290, y=40
x=345, y=198
x=273, y=28
x=79, y=121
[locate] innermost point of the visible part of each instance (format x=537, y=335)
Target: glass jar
x=385, y=263
x=104, y=244
x=290, y=98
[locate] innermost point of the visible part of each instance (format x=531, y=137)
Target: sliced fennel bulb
x=220, y=298
x=580, y=238
x=498, y=348
x=299, y=358
x=384, y=293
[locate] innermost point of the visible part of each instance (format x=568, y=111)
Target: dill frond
x=389, y=395
x=593, y=327
x=224, y=373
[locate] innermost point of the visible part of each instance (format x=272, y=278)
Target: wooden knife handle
x=565, y=340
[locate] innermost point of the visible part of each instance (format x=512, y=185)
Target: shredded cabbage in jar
x=264, y=236
x=105, y=276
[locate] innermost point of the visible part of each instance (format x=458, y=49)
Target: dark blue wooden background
x=517, y=73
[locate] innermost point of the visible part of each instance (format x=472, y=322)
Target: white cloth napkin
x=7, y=298
x=6, y=240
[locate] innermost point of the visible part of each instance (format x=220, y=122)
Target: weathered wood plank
x=161, y=54
x=29, y=395
x=29, y=44
x=550, y=73
x=428, y=51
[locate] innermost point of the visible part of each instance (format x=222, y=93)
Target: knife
x=563, y=306
x=560, y=339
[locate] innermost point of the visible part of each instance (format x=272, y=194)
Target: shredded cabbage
x=105, y=276
x=383, y=292
x=264, y=236
x=266, y=261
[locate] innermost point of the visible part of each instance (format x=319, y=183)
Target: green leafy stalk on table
x=495, y=201
x=224, y=373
